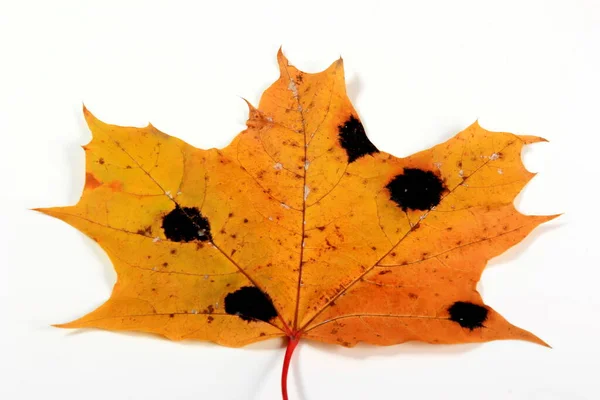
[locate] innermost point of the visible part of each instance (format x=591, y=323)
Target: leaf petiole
x=291, y=346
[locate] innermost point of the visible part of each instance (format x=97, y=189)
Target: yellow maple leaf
x=301, y=227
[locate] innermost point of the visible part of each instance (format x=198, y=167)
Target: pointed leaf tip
x=86, y=112
x=552, y=216
x=529, y=139
x=250, y=106
x=41, y=210
x=282, y=61
x=537, y=340
x=339, y=63
x=89, y=117
x=475, y=125
x=67, y=325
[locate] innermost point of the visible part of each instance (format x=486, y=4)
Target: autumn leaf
x=301, y=227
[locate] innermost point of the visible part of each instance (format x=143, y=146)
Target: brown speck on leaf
x=329, y=245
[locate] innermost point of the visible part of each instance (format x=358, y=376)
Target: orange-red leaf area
x=301, y=227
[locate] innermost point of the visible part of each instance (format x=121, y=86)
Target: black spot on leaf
x=250, y=304
x=353, y=139
x=416, y=189
x=468, y=315
x=185, y=224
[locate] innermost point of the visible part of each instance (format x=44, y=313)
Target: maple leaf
x=301, y=227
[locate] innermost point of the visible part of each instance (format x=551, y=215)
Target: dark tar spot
x=250, y=304
x=185, y=224
x=468, y=315
x=354, y=140
x=416, y=189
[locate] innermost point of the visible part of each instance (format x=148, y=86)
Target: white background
x=418, y=72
